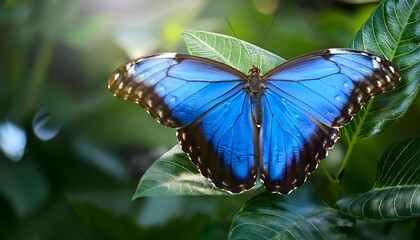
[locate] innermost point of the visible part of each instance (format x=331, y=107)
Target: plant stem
x=327, y=174
x=346, y=158
x=337, y=185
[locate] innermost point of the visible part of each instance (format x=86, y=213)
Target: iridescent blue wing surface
x=305, y=102
x=175, y=88
x=222, y=144
x=205, y=101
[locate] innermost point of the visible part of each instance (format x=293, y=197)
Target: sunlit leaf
x=228, y=50
x=391, y=32
x=174, y=174
x=300, y=215
x=396, y=194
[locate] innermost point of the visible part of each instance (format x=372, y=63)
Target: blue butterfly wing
x=175, y=88
x=222, y=143
x=205, y=101
x=307, y=99
x=291, y=143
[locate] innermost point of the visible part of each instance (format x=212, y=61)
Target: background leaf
x=391, y=32
x=174, y=174
x=300, y=215
x=25, y=189
x=396, y=194
x=228, y=50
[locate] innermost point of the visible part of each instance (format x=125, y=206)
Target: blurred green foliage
x=56, y=57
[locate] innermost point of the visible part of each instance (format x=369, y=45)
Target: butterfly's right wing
x=175, y=88
x=306, y=102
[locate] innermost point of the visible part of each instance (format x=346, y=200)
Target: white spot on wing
x=375, y=64
x=337, y=51
x=130, y=71
x=166, y=55
x=359, y=98
x=368, y=89
x=392, y=69
x=349, y=111
x=129, y=90
x=149, y=102
x=139, y=93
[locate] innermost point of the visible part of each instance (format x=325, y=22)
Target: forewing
x=175, y=88
x=332, y=85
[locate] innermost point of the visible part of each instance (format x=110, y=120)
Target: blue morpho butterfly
x=235, y=126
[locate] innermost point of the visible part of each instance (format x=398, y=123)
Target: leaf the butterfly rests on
x=234, y=126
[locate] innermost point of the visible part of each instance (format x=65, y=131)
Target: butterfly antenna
x=239, y=41
x=269, y=28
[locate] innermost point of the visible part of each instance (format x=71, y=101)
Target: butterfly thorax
x=254, y=83
x=255, y=86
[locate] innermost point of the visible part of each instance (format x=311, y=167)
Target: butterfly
x=235, y=127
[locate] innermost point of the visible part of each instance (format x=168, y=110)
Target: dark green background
x=56, y=56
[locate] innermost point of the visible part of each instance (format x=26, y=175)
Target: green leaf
x=174, y=174
x=396, y=193
x=391, y=32
x=22, y=186
x=300, y=215
x=103, y=224
x=228, y=50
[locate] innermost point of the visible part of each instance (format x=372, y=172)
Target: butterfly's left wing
x=205, y=101
x=307, y=99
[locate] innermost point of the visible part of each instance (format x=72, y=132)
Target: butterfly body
x=255, y=87
x=278, y=125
